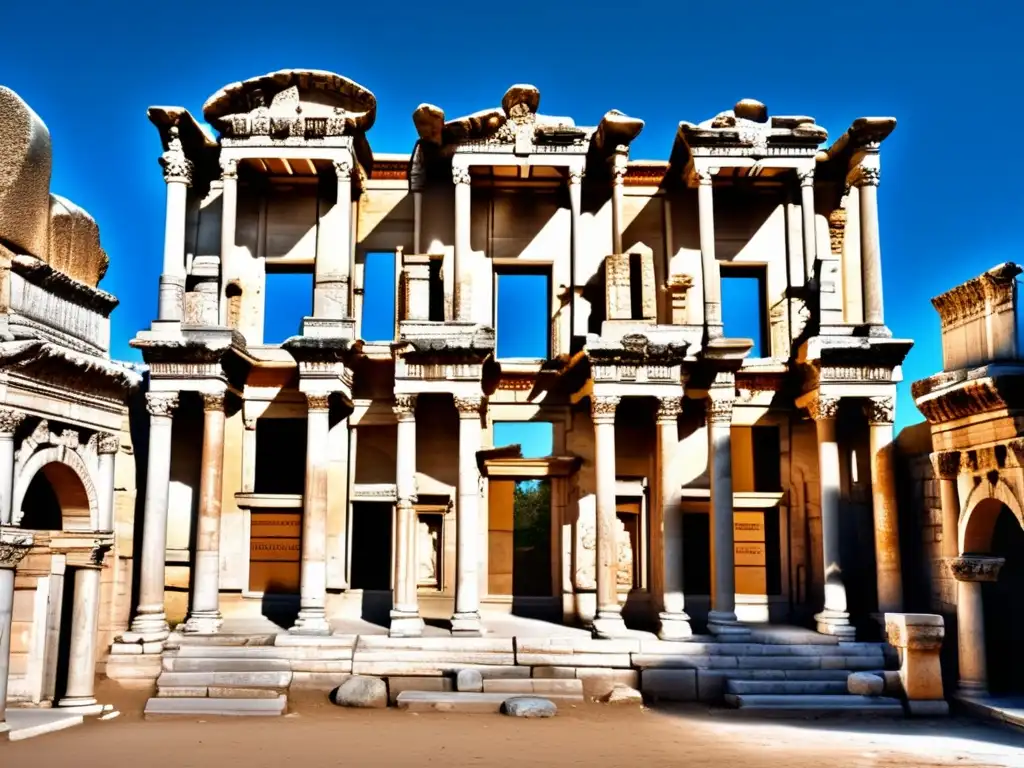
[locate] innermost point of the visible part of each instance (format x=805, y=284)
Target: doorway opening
x=519, y=544
x=1004, y=621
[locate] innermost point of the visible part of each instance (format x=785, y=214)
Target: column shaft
x=205, y=616
x=573, y=322
x=150, y=622
x=970, y=619
x=466, y=620
x=6, y=615
x=950, y=502
x=178, y=176
x=333, y=247
x=810, y=242
x=9, y=421
x=618, y=195
x=81, y=678
x=108, y=448
x=608, y=621
x=884, y=505
x=312, y=618
x=709, y=263
x=463, y=244
x=722, y=616
x=405, y=614
x=674, y=623
x=870, y=247
x=228, y=222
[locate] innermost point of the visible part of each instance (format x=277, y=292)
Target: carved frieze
x=992, y=291
x=976, y=567
x=602, y=408
x=161, y=404
x=836, y=230
x=822, y=408
x=852, y=373
x=880, y=410
x=10, y=419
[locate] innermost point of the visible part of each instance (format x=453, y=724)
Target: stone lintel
x=844, y=351
x=84, y=549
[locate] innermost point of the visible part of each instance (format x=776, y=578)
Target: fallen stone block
x=529, y=706
x=469, y=680
x=361, y=692
x=865, y=684
x=623, y=694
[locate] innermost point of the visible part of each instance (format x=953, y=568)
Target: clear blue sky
x=951, y=204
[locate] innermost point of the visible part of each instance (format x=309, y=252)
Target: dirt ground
x=316, y=733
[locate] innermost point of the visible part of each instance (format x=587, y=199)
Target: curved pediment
x=280, y=101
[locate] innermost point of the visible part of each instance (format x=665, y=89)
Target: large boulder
x=25, y=161
x=623, y=694
x=361, y=692
x=529, y=706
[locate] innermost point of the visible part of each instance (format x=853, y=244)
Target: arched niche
x=54, y=491
x=981, y=512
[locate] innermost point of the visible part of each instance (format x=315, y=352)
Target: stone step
x=554, y=689
x=278, y=680
x=315, y=652
x=806, y=704
x=689, y=648
x=221, y=706
x=214, y=692
x=179, y=664
x=441, y=701
x=787, y=687
x=178, y=640
x=791, y=674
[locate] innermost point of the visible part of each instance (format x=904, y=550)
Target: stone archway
x=55, y=491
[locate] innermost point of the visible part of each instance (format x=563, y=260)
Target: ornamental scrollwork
x=9, y=420
x=213, y=401
x=880, y=410
x=976, y=568
x=823, y=408
x=405, y=407
x=618, y=174
x=469, y=406
x=228, y=168
x=177, y=167
x=669, y=409
x=161, y=403
x=107, y=442
x=603, y=408
x=318, y=401
x=867, y=177
x=460, y=174
x=12, y=550
x=343, y=168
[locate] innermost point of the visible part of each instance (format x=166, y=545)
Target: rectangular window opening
x=436, y=287
x=523, y=314
x=767, y=472
x=744, y=305
x=536, y=438
x=280, y=456
x=287, y=298
x=378, y=316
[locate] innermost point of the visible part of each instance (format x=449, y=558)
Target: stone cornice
x=637, y=349
x=959, y=394
x=68, y=368
x=43, y=275
x=977, y=297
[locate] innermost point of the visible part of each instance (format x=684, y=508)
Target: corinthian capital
x=806, y=177
x=460, y=174
x=669, y=409
x=228, y=168
x=576, y=175
x=705, y=176
x=318, y=401
x=176, y=166
x=14, y=545
x=213, y=401
x=405, y=407
x=107, y=443
x=976, y=568
x=823, y=408
x=161, y=403
x=343, y=168
x=603, y=408
x=9, y=420
x=867, y=177
x=469, y=407
x=719, y=408
x=880, y=410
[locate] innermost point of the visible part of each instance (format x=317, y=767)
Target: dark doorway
x=1003, y=599
x=371, y=545
x=531, y=563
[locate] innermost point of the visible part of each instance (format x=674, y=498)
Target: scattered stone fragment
x=469, y=680
x=529, y=706
x=360, y=691
x=865, y=684
x=623, y=694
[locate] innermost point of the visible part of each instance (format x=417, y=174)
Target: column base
x=725, y=624
x=971, y=688
x=674, y=626
x=86, y=705
x=147, y=628
x=836, y=623
x=405, y=625
x=608, y=625
x=202, y=623
x=466, y=625
x=311, y=621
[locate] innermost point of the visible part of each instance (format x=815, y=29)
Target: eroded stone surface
x=529, y=706
x=623, y=694
x=469, y=680
x=865, y=684
x=362, y=692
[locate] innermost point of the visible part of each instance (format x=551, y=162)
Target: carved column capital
x=213, y=401
x=705, y=176
x=602, y=409
x=823, y=408
x=107, y=442
x=719, y=408
x=669, y=409
x=576, y=175
x=975, y=567
x=13, y=547
x=177, y=167
x=9, y=420
x=469, y=407
x=880, y=410
x=161, y=403
x=228, y=168
x=946, y=464
x=405, y=407
x=249, y=422
x=806, y=177
x=318, y=401
x=460, y=174
x=343, y=168
x=867, y=177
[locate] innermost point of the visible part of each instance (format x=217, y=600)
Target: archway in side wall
x=54, y=492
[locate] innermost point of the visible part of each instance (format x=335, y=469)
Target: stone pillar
x=205, y=616
x=228, y=221
x=150, y=622
x=333, y=247
x=9, y=421
x=918, y=639
x=405, y=612
x=866, y=182
x=463, y=244
x=178, y=176
x=14, y=545
x=466, y=620
x=85, y=615
x=970, y=572
x=312, y=618
x=673, y=622
x=810, y=241
x=833, y=619
x=574, y=322
x=608, y=621
x=880, y=412
x=709, y=263
x=619, y=161
x=722, y=616
x=107, y=447
x=946, y=466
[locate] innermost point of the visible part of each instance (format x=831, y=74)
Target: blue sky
x=950, y=202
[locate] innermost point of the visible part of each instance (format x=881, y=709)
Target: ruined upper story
x=612, y=246
x=51, y=261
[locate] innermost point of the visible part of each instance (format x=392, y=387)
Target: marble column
x=14, y=545
x=608, y=620
x=722, y=616
x=880, y=413
x=178, y=177
x=673, y=621
x=463, y=244
x=466, y=620
x=575, y=322
x=946, y=466
x=866, y=182
x=331, y=269
x=228, y=223
x=709, y=263
x=312, y=618
x=810, y=242
x=405, y=612
x=9, y=421
x=970, y=572
x=150, y=622
x=107, y=446
x=205, y=618
x=619, y=161
x=833, y=619
x=85, y=614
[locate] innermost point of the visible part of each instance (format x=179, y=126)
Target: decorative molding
x=405, y=407
x=10, y=419
x=228, y=168
x=983, y=295
x=469, y=407
x=602, y=408
x=576, y=175
x=318, y=401
x=823, y=408
x=946, y=464
x=669, y=409
x=161, y=404
x=719, y=408
x=107, y=442
x=13, y=548
x=880, y=410
x=975, y=567
x=837, y=230
x=867, y=177
x=177, y=167
x=343, y=168
x=460, y=174
x=213, y=401
x=806, y=178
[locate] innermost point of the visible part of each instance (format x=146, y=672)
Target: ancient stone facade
x=63, y=434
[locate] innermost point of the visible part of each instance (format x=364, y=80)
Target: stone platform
x=28, y=723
